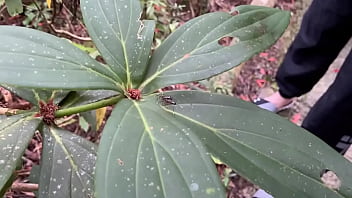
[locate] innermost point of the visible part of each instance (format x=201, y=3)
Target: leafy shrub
x=161, y=13
x=155, y=144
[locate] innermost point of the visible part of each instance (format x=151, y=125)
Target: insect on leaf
x=144, y=153
x=272, y=152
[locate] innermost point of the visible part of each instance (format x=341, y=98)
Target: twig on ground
x=192, y=9
x=25, y=187
x=2, y=9
x=52, y=27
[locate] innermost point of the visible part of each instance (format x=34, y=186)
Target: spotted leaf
x=15, y=134
x=272, y=152
x=122, y=38
x=68, y=165
x=213, y=43
x=30, y=58
x=145, y=153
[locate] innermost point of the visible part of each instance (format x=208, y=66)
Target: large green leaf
x=78, y=98
x=31, y=58
x=145, y=153
x=122, y=38
x=34, y=95
x=15, y=133
x=272, y=152
x=193, y=51
x=67, y=165
x=14, y=7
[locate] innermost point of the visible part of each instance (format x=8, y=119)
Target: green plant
x=14, y=7
x=160, y=11
x=36, y=13
x=155, y=145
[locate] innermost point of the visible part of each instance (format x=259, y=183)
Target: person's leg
x=331, y=117
x=325, y=29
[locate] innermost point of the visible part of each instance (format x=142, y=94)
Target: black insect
x=166, y=100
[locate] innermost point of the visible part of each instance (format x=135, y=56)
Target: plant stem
x=88, y=107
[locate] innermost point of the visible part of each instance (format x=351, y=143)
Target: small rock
x=267, y=3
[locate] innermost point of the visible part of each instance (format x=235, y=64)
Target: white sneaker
x=262, y=194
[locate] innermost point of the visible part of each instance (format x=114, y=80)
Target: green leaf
x=120, y=36
x=193, y=51
x=34, y=95
x=15, y=134
x=90, y=118
x=84, y=48
x=7, y=185
x=2, y=2
x=67, y=165
x=145, y=153
x=30, y=58
x=272, y=152
x=14, y=7
x=83, y=123
x=34, y=176
x=78, y=98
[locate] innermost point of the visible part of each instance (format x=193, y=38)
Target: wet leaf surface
x=145, y=153
x=122, y=38
x=193, y=51
x=15, y=134
x=68, y=165
x=78, y=98
x=35, y=59
x=272, y=152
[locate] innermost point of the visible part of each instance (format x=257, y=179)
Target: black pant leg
x=331, y=117
x=325, y=29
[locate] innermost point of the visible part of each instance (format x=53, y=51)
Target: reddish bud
x=134, y=94
x=47, y=111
